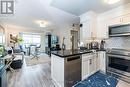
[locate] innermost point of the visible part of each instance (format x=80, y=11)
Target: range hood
x=120, y=30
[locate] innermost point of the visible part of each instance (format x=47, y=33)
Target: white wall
x=63, y=32
x=13, y=29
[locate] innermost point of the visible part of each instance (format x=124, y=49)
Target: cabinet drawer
x=88, y=56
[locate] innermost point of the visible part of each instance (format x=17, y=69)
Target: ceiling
x=78, y=7
x=58, y=13
x=28, y=12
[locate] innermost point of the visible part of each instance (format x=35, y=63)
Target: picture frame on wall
x=13, y=39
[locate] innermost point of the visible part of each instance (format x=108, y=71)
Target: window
x=1, y=38
x=29, y=38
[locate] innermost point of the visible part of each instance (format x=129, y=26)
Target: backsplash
x=118, y=42
x=126, y=42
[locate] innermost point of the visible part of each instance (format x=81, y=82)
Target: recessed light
x=112, y=1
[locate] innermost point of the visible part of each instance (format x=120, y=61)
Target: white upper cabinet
x=97, y=25
x=126, y=19
x=103, y=23
x=123, y=19
x=88, y=29
x=117, y=16
x=115, y=21
x=85, y=31
x=102, y=26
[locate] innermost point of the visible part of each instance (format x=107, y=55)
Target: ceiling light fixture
x=42, y=23
x=112, y=1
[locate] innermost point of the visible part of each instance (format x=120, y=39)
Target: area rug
x=43, y=58
x=98, y=80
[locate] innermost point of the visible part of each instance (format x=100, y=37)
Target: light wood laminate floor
x=123, y=84
x=37, y=76
x=31, y=76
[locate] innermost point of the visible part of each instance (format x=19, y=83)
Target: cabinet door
x=98, y=63
x=85, y=69
x=85, y=31
x=102, y=60
x=102, y=29
x=92, y=65
x=115, y=21
x=57, y=70
x=126, y=19
x=88, y=65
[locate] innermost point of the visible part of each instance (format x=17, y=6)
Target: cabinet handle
x=90, y=61
x=120, y=19
x=91, y=34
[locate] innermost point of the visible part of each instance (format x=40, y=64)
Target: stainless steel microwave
x=121, y=30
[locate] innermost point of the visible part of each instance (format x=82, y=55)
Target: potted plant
x=20, y=40
x=1, y=50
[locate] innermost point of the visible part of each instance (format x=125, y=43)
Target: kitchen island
x=66, y=67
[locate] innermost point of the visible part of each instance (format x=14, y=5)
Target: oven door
x=118, y=64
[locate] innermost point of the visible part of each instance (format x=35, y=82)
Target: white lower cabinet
x=102, y=61
x=88, y=64
x=85, y=69
x=57, y=70
x=92, y=64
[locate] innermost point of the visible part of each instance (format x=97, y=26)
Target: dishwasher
x=72, y=70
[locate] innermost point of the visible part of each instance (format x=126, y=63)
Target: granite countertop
x=101, y=50
x=67, y=53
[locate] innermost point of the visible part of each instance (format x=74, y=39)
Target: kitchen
x=81, y=43
x=110, y=28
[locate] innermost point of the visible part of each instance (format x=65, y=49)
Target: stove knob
x=108, y=50
x=128, y=54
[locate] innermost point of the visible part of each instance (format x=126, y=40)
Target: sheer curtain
x=1, y=38
x=31, y=38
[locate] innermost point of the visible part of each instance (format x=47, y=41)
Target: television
x=54, y=39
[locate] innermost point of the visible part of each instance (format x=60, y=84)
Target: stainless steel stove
x=118, y=63
x=125, y=52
